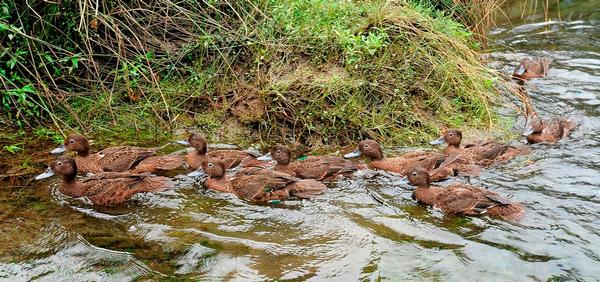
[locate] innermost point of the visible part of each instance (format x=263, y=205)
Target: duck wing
x=319, y=167
x=108, y=189
x=492, y=151
x=231, y=158
x=545, y=65
x=255, y=183
x=455, y=200
x=554, y=129
x=452, y=165
x=155, y=163
x=499, y=200
x=486, y=199
x=306, y=188
x=87, y=164
x=427, y=160
x=122, y=158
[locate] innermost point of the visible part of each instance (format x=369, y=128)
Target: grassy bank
x=305, y=71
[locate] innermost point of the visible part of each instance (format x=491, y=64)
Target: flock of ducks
x=115, y=174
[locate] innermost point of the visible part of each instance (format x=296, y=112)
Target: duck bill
x=353, y=154
x=183, y=142
x=49, y=172
x=438, y=141
x=59, y=150
x=528, y=131
x=267, y=157
x=520, y=70
x=197, y=173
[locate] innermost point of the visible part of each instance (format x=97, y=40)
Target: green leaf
x=13, y=149
x=48, y=58
x=75, y=61
x=28, y=88
x=11, y=63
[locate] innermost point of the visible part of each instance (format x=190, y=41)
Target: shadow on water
x=364, y=228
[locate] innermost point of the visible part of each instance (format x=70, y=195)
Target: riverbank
x=313, y=71
x=317, y=73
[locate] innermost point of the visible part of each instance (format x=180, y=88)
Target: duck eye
x=366, y=146
x=71, y=141
x=210, y=165
x=414, y=173
x=450, y=134
x=59, y=163
x=278, y=151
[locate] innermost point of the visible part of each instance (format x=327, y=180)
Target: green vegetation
x=314, y=71
x=476, y=15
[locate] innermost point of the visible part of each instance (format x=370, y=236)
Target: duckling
x=461, y=199
x=104, y=189
x=532, y=68
x=116, y=159
x=259, y=185
x=231, y=158
x=313, y=167
x=402, y=165
x=483, y=154
x=549, y=131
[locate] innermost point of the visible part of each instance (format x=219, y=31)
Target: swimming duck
x=549, y=131
x=482, y=153
x=532, y=68
x=429, y=160
x=313, y=167
x=461, y=199
x=259, y=185
x=116, y=159
x=104, y=189
x=231, y=158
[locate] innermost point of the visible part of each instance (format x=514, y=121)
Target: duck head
x=280, y=153
x=534, y=125
x=368, y=148
x=419, y=177
x=214, y=167
x=65, y=166
x=522, y=68
x=196, y=141
x=452, y=137
x=74, y=142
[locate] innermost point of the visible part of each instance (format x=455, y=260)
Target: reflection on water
x=365, y=228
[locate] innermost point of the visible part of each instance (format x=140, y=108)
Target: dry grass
x=302, y=70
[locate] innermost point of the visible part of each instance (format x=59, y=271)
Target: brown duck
x=117, y=159
x=461, y=199
x=532, y=68
x=104, y=189
x=231, y=158
x=438, y=164
x=482, y=153
x=259, y=185
x=549, y=131
x=313, y=167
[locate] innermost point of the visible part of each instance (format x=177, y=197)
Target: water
x=365, y=228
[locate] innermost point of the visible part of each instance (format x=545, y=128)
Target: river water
x=365, y=228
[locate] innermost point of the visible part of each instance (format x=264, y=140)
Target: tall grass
x=477, y=15
x=309, y=70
